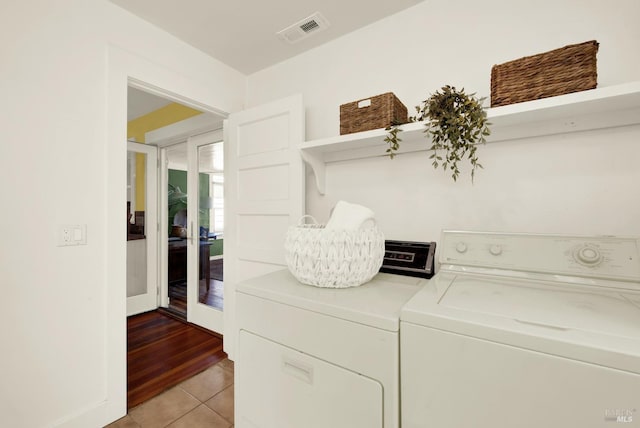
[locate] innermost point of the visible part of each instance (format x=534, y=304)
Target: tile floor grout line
x=226, y=367
x=182, y=416
x=187, y=392
x=202, y=403
x=216, y=394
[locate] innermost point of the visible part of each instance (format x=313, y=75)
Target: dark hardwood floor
x=211, y=296
x=178, y=300
x=163, y=351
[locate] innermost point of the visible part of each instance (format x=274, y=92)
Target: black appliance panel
x=409, y=258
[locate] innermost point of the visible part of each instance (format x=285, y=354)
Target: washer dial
x=587, y=255
x=461, y=247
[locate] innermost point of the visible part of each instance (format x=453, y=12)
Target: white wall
x=584, y=183
x=57, y=364
x=57, y=167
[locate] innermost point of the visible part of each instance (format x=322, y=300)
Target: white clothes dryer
x=524, y=331
x=312, y=357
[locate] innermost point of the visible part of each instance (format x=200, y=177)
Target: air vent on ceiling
x=304, y=28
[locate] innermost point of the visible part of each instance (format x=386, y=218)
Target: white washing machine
x=315, y=357
x=524, y=331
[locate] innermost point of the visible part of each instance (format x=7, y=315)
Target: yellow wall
x=136, y=129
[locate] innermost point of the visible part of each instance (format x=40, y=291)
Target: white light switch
x=72, y=234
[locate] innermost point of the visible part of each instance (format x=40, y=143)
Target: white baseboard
x=97, y=415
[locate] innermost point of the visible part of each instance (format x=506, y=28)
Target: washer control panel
x=586, y=256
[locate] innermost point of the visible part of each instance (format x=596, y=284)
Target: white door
x=264, y=194
x=142, y=228
x=205, y=171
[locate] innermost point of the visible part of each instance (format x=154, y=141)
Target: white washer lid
x=552, y=305
x=376, y=303
x=539, y=315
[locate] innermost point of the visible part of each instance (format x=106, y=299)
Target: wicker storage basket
x=560, y=71
x=333, y=258
x=372, y=113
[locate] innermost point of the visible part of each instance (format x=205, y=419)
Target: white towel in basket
x=348, y=216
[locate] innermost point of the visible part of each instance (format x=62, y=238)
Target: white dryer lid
x=578, y=321
x=376, y=303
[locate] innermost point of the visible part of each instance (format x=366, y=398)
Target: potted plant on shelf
x=456, y=123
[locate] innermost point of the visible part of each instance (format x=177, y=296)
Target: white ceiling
x=242, y=33
x=140, y=103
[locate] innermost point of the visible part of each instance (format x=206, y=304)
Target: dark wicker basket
x=372, y=113
x=557, y=72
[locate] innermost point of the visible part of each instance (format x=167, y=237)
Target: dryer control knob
x=495, y=249
x=461, y=247
x=588, y=255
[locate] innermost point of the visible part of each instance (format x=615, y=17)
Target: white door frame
x=149, y=299
x=163, y=247
x=127, y=69
x=198, y=313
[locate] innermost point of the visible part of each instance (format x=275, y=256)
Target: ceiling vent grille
x=304, y=28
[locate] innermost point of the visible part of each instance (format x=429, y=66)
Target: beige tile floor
x=205, y=400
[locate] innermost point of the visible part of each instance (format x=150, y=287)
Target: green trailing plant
x=392, y=138
x=456, y=123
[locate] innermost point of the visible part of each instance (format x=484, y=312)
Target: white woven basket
x=333, y=258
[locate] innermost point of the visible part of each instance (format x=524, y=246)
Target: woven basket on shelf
x=557, y=72
x=372, y=113
x=333, y=258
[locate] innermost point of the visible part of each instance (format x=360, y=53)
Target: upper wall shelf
x=581, y=111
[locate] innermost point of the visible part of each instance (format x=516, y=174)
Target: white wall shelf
x=581, y=111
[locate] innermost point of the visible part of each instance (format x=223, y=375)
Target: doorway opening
x=168, y=128
x=187, y=166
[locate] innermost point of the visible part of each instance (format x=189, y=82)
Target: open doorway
x=190, y=164
x=167, y=128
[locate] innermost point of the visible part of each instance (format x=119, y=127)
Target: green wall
x=178, y=178
x=216, y=247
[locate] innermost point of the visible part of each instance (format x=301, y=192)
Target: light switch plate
x=72, y=235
